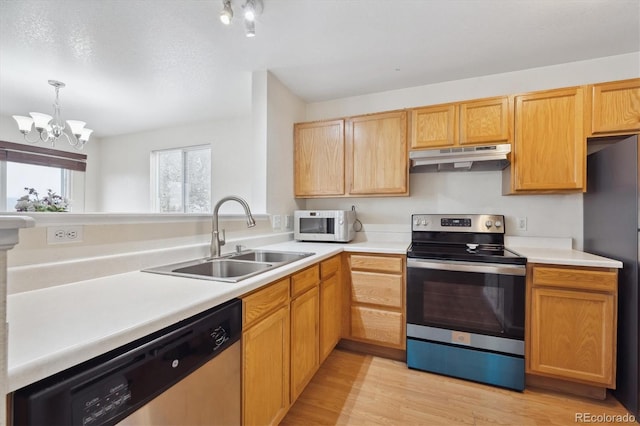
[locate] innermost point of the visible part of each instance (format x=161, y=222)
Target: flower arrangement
x=51, y=202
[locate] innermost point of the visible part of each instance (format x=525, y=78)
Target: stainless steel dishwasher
x=185, y=374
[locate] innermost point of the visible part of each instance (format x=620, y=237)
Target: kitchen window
x=43, y=169
x=181, y=179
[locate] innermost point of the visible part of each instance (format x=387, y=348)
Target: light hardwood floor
x=356, y=389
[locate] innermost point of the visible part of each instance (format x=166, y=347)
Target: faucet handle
x=222, y=239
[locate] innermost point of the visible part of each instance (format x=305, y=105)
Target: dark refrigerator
x=611, y=226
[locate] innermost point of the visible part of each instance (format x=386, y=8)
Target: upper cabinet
x=549, y=144
x=433, y=127
x=364, y=155
x=477, y=122
x=377, y=154
x=484, y=121
x=615, y=107
x=319, y=159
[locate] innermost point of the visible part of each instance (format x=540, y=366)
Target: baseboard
x=370, y=349
x=563, y=386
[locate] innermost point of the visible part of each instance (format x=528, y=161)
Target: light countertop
x=569, y=257
x=58, y=327
x=55, y=328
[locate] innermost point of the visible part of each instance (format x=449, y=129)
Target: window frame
x=39, y=156
x=154, y=173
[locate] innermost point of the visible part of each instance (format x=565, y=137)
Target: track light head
x=226, y=14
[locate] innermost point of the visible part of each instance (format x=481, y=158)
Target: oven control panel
x=476, y=223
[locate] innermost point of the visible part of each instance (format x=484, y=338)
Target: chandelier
x=50, y=129
x=250, y=10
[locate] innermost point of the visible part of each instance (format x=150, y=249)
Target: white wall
x=476, y=192
x=125, y=163
x=283, y=109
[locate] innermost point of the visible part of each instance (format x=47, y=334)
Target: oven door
x=469, y=297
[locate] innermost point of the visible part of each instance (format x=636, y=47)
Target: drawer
x=263, y=301
x=578, y=278
x=329, y=266
x=377, y=325
x=304, y=280
x=377, y=263
x=376, y=289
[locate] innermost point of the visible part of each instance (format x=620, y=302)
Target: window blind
x=27, y=154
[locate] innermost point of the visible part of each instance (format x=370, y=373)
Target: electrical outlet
x=521, y=223
x=64, y=234
x=288, y=222
x=276, y=222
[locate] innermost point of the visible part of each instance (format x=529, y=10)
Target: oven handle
x=489, y=268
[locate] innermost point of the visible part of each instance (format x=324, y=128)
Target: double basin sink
x=230, y=268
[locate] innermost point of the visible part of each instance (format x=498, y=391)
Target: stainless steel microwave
x=324, y=225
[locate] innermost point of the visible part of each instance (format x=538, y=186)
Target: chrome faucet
x=216, y=241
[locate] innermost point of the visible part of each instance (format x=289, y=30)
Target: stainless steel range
x=465, y=300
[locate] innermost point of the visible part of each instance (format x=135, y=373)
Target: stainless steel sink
x=223, y=268
x=231, y=268
x=269, y=256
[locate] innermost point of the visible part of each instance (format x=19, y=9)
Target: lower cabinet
x=377, y=304
x=265, y=355
x=330, y=305
x=289, y=328
x=572, y=324
x=305, y=313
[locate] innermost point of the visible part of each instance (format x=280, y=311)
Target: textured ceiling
x=141, y=64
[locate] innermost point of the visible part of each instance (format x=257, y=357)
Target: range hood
x=460, y=159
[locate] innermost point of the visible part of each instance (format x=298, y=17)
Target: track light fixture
x=226, y=14
x=250, y=9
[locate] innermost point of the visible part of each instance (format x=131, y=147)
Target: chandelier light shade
x=50, y=129
x=250, y=10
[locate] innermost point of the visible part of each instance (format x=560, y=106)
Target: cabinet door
x=433, y=127
x=304, y=340
x=265, y=368
x=378, y=154
x=549, y=146
x=330, y=315
x=615, y=107
x=319, y=158
x=378, y=326
x=484, y=121
x=573, y=335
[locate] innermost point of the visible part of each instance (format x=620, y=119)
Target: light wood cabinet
x=485, y=121
x=330, y=305
x=319, y=167
x=478, y=122
x=377, y=305
x=364, y=155
x=549, y=144
x=572, y=319
x=305, y=328
x=265, y=355
x=433, y=127
x=377, y=154
x=615, y=107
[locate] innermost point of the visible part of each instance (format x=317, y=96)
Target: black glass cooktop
x=489, y=253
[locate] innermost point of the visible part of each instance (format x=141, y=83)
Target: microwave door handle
x=488, y=268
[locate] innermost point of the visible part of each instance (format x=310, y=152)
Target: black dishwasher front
x=107, y=389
